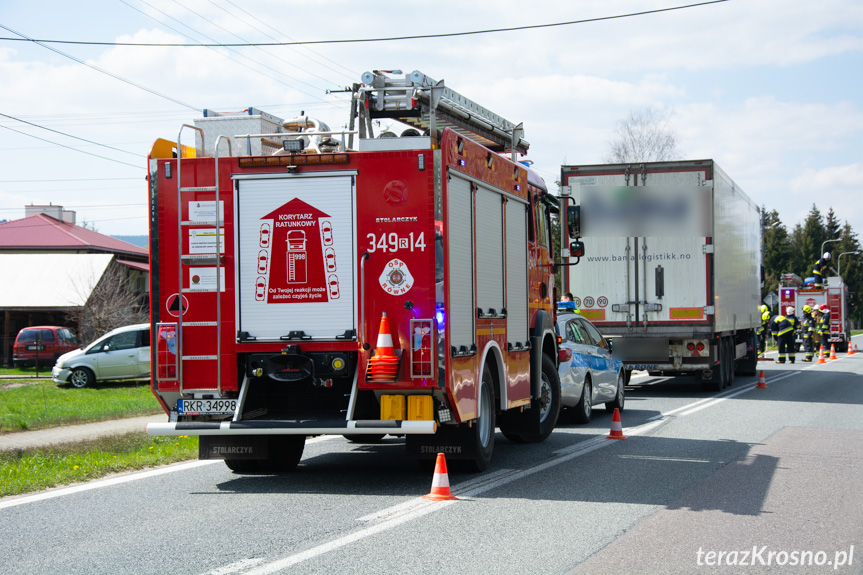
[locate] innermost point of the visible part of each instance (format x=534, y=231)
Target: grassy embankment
x=28, y=404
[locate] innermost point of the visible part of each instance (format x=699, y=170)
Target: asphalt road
x=702, y=479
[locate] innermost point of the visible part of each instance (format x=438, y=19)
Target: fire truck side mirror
x=576, y=249
x=573, y=221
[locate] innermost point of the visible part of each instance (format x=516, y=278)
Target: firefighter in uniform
x=795, y=323
x=783, y=331
x=762, y=331
x=807, y=327
x=824, y=326
x=821, y=266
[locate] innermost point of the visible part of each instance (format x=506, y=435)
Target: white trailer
x=672, y=262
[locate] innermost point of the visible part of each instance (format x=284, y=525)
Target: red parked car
x=47, y=342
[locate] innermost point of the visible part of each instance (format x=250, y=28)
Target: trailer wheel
x=749, y=364
x=482, y=430
x=549, y=402
x=584, y=409
x=720, y=372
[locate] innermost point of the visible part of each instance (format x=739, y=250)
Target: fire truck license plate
x=206, y=406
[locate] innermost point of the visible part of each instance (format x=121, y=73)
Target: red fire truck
x=796, y=293
x=282, y=254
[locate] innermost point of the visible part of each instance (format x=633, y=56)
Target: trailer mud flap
x=232, y=447
x=518, y=421
x=453, y=442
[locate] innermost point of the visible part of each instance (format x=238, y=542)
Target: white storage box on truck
x=672, y=265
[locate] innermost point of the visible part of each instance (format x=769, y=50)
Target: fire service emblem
x=396, y=279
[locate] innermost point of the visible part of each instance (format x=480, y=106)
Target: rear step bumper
x=330, y=427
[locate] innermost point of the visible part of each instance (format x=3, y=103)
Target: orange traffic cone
x=440, y=482
x=820, y=355
x=833, y=352
x=851, y=350
x=384, y=366
x=616, y=428
x=762, y=383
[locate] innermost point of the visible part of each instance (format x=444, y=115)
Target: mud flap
x=454, y=442
x=518, y=421
x=232, y=447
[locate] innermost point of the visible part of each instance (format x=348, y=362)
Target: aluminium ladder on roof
x=419, y=101
x=199, y=259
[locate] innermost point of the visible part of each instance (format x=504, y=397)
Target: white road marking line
x=99, y=483
x=237, y=567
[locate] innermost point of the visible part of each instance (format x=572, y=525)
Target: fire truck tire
x=482, y=431
x=549, y=402
x=242, y=465
x=284, y=453
x=583, y=410
x=361, y=438
x=82, y=377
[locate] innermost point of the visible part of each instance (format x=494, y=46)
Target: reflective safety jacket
x=780, y=325
x=795, y=323
x=807, y=325
x=824, y=324
x=765, y=320
x=818, y=270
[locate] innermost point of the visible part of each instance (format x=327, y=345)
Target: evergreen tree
x=777, y=250
x=832, y=227
x=851, y=268
x=811, y=240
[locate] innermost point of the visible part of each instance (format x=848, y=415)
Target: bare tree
x=112, y=302
x=646, y=135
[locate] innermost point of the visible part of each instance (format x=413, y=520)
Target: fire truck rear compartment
x=300, y=387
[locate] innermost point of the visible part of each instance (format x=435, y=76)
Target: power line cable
x=229, y=46
x=382, y=39
x=352, y=74
x=71, y=148
x=271, y=55
x=67, y=135
x=98, y=69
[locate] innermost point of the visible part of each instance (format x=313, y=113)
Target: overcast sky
x=770, y=89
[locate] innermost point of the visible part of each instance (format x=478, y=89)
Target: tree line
x=798, y=250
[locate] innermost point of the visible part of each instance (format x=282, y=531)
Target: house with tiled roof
x=52, y=267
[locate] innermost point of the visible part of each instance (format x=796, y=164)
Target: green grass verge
x=29, y=405
x=44, y=371
x=25, y=471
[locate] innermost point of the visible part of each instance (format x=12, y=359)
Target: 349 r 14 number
x=393, y=242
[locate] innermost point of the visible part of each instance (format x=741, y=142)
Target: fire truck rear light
x=444, y=415
x=421, y=348
x=421, y=162
x=166, y=355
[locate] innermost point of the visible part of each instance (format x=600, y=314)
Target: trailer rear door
x=633, y=280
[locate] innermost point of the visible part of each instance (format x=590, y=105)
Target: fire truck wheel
x=584, y=409
x=285, y=452
x=549, y=402
x=482, y=431
x=242, y=465
x=619, y=398
x=82, y=377
x=361, y=438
